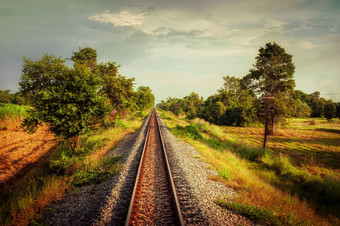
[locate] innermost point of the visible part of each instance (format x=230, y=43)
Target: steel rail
x=138, y=173
x=173, y=188
x=168, y=172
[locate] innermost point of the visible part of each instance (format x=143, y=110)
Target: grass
x=259, y=215
x=289, y=189
x=27, y=200
x=11, y=114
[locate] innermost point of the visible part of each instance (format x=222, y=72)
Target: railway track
x=154, y=200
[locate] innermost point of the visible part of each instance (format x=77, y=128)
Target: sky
x=178, y=46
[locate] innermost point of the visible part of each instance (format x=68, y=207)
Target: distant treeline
x=269, y=87
x=229, y=109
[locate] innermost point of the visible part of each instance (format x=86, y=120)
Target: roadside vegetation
x=276, y=186
x=293, y=178
x=26, y=201
x=89, y=107
x=11, y=114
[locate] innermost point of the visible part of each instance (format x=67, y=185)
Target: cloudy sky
x=176, y=46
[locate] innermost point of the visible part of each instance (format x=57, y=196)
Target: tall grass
x=11, y=114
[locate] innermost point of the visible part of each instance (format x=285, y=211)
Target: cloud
x=306, y=45
x=122, y=19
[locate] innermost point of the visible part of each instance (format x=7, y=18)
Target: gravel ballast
x=108, y=202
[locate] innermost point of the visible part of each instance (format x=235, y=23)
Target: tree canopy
x=66, y=99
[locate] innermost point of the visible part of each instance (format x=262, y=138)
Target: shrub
x=188, y=131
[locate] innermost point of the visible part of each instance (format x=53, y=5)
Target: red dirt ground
x=19, y=151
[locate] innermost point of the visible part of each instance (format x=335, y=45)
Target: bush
x=190, y=131
x=95, y=174
x=12, y=111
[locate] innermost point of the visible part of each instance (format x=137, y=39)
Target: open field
x=311, y=146
x=295, y=181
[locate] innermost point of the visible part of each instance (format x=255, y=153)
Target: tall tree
x=273, y=75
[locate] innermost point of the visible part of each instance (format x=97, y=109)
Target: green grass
x=12, y=111
x=261, y=215
x=97, y=173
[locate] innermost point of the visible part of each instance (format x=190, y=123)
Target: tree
x=317, y=104
x=213, y=109
x=5, y=96
x=144, y=98
x=273, y=75
x=118, y=88
x=193, y=105
x=338, y=110
x=86, y=56
x=66, y=99
x=239, y=101
x=330, y=109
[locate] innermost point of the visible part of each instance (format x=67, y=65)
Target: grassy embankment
x=295, y=181
x=26, y=201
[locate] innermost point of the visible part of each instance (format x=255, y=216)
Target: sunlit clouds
x=180, y=45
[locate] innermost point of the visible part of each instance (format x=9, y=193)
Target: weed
x=224, y=173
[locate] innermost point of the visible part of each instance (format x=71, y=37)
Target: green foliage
x=119, y=123
x=66, y=99
x=225, y=174
x=12, y=111
x=317, y=104
x=324, y=192
x=190, y=106
x=213, y=109
x=89, y=174
x=118, y=88
x=144, y=98
x=5, y=96
x=188, y=131
x=86, y=56
x=260, y=215
x=273, y=75
x=329, y=110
